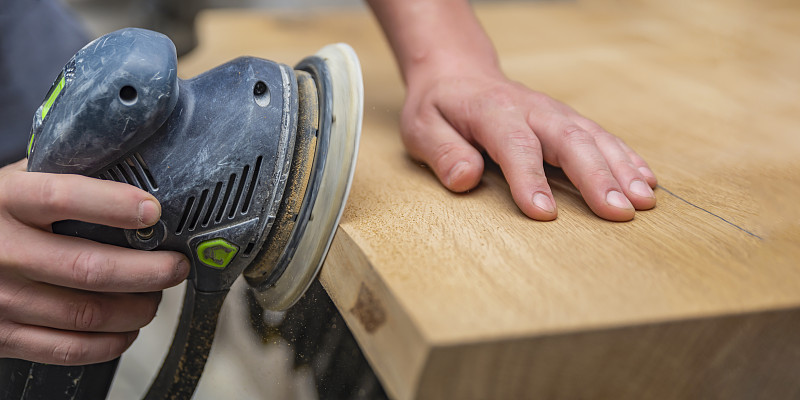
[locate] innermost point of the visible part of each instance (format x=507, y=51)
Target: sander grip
x=26, y=380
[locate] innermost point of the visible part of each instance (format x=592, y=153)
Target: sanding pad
x=347, y=92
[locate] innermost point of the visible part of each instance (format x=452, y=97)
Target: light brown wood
x=461, y=296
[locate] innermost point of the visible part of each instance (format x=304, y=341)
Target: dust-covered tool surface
x=251, y=161
x=303, y=257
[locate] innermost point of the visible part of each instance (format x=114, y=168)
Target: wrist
x=447, y=64
x=432, y=39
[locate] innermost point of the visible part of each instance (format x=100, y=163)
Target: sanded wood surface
x=462, y=296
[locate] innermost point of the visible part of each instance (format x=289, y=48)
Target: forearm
x=430, y=37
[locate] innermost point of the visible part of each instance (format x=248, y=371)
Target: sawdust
x=298, y=179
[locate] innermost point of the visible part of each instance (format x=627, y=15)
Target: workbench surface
x=461, y=295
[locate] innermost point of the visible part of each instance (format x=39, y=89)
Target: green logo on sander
x=216, y=253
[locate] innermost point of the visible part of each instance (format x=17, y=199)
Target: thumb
x=456, y=163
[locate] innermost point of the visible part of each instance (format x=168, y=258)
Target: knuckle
x=590, y=126
x=415, y=125
x=600, y=175
x=87, y=314
x=168, y=272
x=70, y=352
x=600, y=133
x=501, y=99
x=536, y=176
x=574, y=135
x=522, y=143
x=52, y=194
x=539, y=98
x=91, y=269
x=622, y=164
x=491, y=104
x=444, y=154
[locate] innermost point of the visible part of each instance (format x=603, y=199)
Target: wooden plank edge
x=745, y=356
x=389, y=339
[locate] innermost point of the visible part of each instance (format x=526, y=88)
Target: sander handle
x=190, y=347
x=28, y=380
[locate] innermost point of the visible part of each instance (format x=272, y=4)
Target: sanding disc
x=347, y=91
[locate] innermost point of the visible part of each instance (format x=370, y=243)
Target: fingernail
x=182, y=267
x=543, y=201
x=646, y=172
x=641, y=189
x=149, y=212
x=617, y=199
x=457, y=171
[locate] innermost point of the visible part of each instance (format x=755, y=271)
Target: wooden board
x=461, y=296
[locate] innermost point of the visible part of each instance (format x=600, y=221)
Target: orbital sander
x=251, y=161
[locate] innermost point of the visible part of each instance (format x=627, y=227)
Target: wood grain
x=698, y=298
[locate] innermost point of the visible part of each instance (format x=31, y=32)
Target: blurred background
x=174, y=17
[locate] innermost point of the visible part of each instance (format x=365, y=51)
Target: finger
x=456, y=163
x=40, y=199
x=633, y=183
x=76, y=310
x=83, y=264
x=514, y=146
x=640, y=164
x=573, y=149
x=52, y=346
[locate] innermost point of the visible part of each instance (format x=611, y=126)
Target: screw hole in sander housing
x=128, y=95
x=261, y=93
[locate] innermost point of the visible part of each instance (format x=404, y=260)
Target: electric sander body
x=251, y=161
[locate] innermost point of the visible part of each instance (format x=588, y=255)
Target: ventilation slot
x=248, y=249
x=198, y=210
x=113, y=176
x=225, y=198
x=135, y=174
x=133, y=171
x=212, y=204
x=251, y=189
x=238, y=196
x=125, y=172
x=142, y=166
x=186, y=211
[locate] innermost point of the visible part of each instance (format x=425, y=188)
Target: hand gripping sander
x=251, y=161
